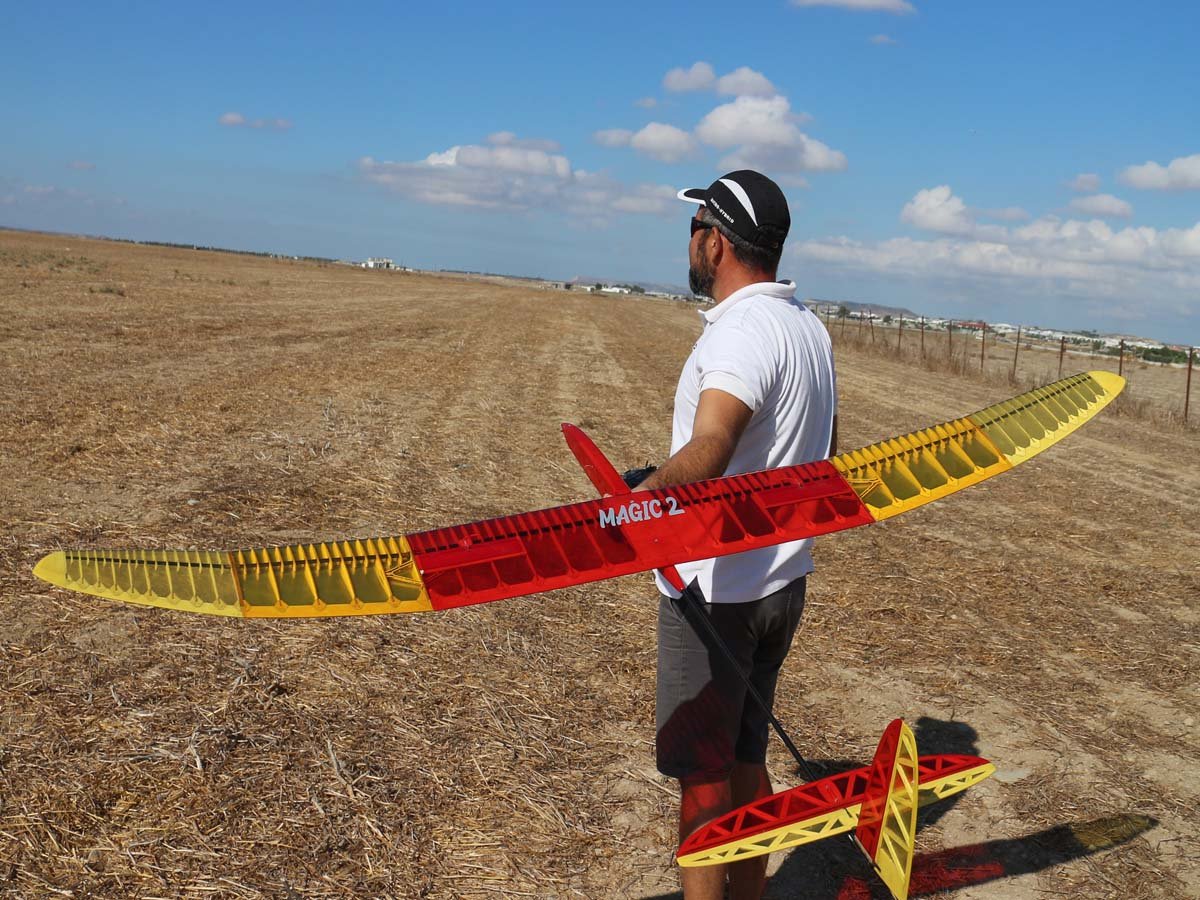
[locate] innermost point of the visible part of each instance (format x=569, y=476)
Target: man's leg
x=700, y=803
x=775, y=620
x=748, y=877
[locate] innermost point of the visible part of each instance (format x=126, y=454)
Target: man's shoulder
x=764, y=312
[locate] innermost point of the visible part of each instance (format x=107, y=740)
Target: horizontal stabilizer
x=817, y=810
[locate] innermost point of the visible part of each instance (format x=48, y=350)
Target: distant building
x=381, y=262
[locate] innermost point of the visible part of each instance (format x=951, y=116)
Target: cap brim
x=693, y=195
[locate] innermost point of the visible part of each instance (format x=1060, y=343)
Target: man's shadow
x=836, y=868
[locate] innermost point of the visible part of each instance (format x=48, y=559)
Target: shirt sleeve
x=733, y=361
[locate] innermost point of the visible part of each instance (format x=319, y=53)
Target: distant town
x=884, y=316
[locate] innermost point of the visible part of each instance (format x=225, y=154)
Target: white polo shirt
x=767, y=349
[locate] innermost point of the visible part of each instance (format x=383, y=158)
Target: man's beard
x=701, y=277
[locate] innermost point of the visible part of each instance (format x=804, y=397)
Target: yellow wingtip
x=52, y=568
x=1112, y=383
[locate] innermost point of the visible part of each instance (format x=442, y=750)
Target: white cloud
x=745, y=82
x=35, y=197
x=613, y=137
x=892, y=6
x=510, y=176
x=665, y=143
x=883, y=39
x=1088, y=259
x=508, y=139
x=645, y=103
x=700, y=77
x=237, y=120
x=1085, y=182
x=765, y=134
x=1182, y=174
x=1004, y=214
x=939, y=210
x=1103, y=205
x=741, y=82
x=512, y=159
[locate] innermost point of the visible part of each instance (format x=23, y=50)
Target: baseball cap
x=749, y=203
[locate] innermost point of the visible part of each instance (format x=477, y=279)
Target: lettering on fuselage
x=639, y=511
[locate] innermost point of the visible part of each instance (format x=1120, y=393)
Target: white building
x=381, y=262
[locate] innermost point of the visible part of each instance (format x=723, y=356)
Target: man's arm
x=720, y=420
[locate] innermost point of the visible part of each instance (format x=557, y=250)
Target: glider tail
x=887, y=822
x=605, y=478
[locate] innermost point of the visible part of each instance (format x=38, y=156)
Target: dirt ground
x=151, y=397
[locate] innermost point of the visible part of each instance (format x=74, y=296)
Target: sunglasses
x=698, y=225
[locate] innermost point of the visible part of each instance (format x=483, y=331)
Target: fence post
x=1062, y=350
x=871, y=325
x=1187, y=395
x=1121, y=363
x=900, y=333
x=950, y=339
x=982, y=346
x=922, y=337
x=1016, y=353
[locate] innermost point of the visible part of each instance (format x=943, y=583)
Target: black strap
x=695, y=600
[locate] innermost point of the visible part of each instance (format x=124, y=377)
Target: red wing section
x=569, y=545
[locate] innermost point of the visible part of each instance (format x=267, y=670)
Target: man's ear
x=720, y=248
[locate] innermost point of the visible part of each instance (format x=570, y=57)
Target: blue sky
x=1026, y=162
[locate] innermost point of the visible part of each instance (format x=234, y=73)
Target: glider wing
x=618, y=535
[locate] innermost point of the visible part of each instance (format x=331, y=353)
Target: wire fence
x=1159, y=391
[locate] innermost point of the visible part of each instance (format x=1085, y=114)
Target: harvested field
x=152, y=397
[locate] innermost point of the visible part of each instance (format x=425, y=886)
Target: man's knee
x=701, y=801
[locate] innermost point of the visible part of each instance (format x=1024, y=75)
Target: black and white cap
x=749, y=203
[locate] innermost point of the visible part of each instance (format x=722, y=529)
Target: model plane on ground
x=876, y=803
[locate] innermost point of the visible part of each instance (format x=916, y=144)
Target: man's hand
x=720, y=420
x=634, y=477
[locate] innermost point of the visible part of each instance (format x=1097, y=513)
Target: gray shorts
x=706, y=719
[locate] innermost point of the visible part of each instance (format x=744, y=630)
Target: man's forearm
x=700, y=458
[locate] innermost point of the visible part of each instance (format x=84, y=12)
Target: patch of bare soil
x=168, y=398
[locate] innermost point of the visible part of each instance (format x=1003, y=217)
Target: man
x=757, y=392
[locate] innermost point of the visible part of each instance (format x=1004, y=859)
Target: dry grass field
x=152, y=397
